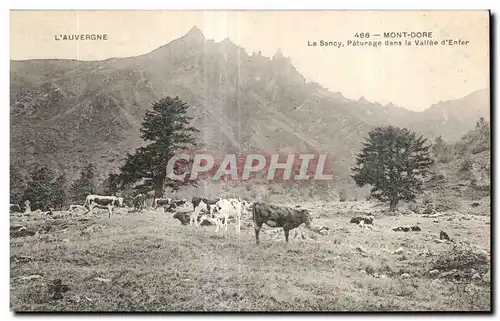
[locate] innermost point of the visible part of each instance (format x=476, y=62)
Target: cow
x=278, y=216
x=139, y=202
x=27, y=207
x=200, y=206
x=99, y=201
x=209, y=202
x=74, y=207
x=172, y=206
x=161, y=202
x=15, y=208
x=223, y=210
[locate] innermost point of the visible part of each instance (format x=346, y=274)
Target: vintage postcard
x=250, y=161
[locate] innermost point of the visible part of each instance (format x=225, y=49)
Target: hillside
x=65, y=113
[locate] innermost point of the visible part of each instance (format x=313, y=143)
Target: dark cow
x=278, y=216
x=209, y=201
x=139, y=202
x=172, y=206
x=161, y=202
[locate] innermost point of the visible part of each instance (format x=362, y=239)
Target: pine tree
x=39, y=190
x=394, y=162
x=83, y=186
x=17, y=185
x=59, y=200
x=167, y=130
x=110, y=186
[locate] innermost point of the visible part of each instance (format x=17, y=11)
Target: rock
x=445, y=274
x=475, y=204
x=22, y=259
x=360, y=249
x=102, y=280
x=376, y=275
x=433, y=272
x=405, y=276
x=476, y=276
x=398, y=251
x=444, y=236
x=31, y=277
x=383, y=276
x=487, y=277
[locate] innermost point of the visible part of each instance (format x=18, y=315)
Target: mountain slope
x=65, y=113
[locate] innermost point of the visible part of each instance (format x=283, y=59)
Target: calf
x=106, y=202
x=278, y=216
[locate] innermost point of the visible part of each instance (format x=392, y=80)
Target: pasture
x=150, y=262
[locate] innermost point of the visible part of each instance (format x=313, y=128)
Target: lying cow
x=105, y=202
x=161, y=202
x=74, y=207
x=173, y=205
x=278, y=216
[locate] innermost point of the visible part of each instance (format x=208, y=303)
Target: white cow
x=193, y=217
x=106, y=202
x=225, y=209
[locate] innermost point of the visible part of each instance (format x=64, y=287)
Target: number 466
x=362, y=35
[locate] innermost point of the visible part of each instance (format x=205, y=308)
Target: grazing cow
x=15, y=208
x=278, y=216
x=172, y=206
x=27, y=207
x=99, y=201
x=139, y=202
x=161, y=202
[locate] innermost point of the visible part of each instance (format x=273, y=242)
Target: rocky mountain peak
x=195, y=34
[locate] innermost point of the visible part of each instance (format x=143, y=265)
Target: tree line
x=393, y=161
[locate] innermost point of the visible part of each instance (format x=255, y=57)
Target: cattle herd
x=217, y=212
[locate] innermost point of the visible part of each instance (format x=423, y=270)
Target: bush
x=466, y=165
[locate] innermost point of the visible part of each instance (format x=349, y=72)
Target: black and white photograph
x=250, y=161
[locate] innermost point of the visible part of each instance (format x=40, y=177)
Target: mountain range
x=65, y=113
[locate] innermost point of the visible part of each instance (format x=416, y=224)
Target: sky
x=411, y=77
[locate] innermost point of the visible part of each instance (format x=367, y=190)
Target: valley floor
x=150, y=262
